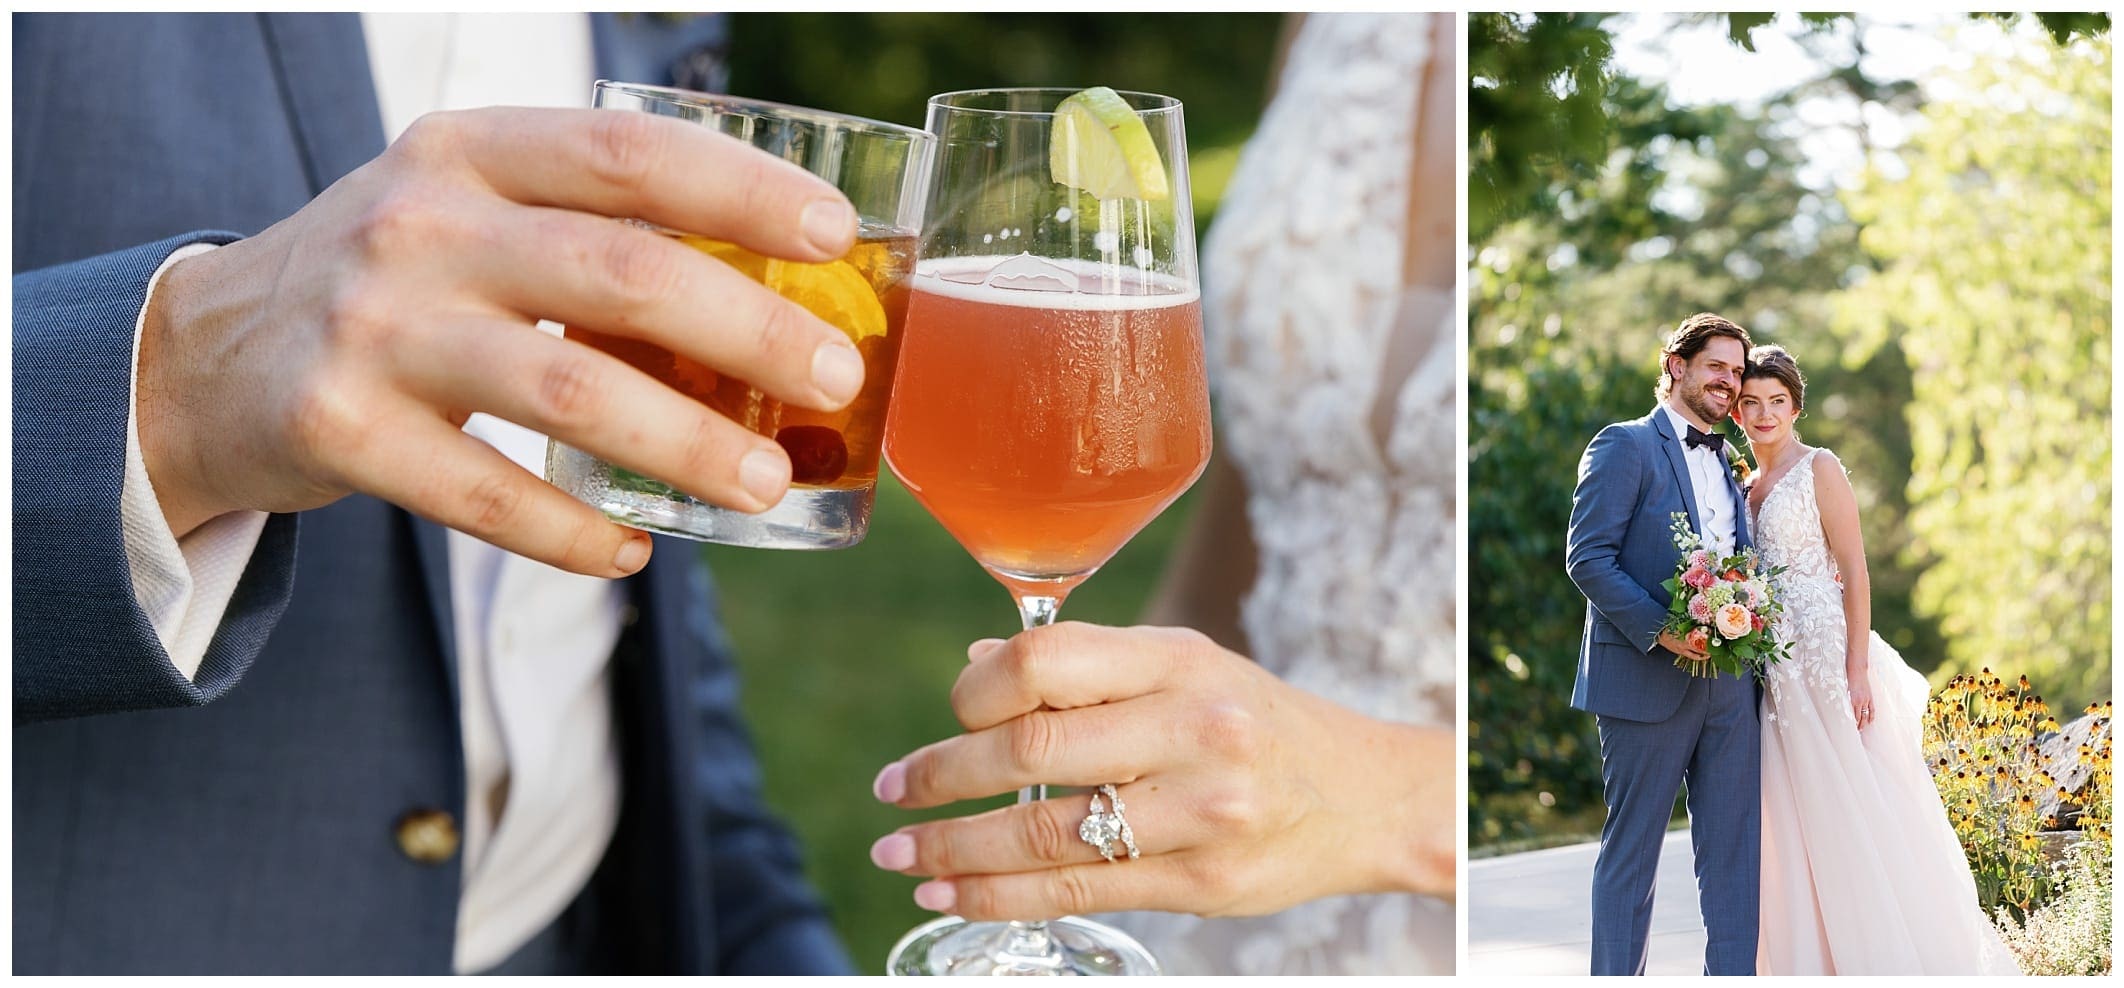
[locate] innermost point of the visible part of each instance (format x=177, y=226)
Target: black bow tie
x=1715, y=440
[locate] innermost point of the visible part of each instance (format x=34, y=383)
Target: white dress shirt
x=533, y=642
x=1707, y=474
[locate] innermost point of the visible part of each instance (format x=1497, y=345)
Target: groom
x=1659, y=726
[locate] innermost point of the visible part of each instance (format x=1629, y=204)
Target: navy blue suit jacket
x=1632, y=481
x=245, y=822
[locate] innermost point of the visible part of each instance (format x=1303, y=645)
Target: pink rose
x=1733, y=620
x=1699, y=577
x=1699, y=639
x=1700, y=609
x=1758, y=621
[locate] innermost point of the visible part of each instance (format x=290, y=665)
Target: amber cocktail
x=833, y=456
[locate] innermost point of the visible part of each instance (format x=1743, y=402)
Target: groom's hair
x=1690, y=338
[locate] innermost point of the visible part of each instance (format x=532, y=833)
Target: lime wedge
x=1099, y=145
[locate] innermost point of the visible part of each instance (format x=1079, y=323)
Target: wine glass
x=1050, y=398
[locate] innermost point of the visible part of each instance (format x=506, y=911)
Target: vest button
x=428, y=836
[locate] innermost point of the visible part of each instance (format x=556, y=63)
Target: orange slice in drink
x=834, y=291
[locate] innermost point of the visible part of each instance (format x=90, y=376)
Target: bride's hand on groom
x=1245, y=795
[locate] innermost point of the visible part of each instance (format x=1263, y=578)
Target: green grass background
x=848, y=659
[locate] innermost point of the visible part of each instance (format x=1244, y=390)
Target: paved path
x=1529, y=914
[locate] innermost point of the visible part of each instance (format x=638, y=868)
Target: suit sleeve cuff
x=184, y=586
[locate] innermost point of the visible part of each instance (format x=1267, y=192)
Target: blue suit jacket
x=245, y=822
x=1631, y=482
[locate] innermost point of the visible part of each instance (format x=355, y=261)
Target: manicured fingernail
x=893, y=852
x=936, y=896
x=891, y=786
x=837, y=371
x=976, y=651
x=830, y=225
x=764, y=474
x=633, y=554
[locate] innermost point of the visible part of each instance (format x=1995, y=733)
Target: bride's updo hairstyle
x=1771, y=360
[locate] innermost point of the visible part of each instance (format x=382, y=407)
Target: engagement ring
x=1101, y=828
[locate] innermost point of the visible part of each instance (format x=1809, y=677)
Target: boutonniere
x=1737, y=461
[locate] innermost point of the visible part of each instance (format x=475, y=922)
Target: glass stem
x=1028, y=939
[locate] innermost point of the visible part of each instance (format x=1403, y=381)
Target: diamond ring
x=1101, y=829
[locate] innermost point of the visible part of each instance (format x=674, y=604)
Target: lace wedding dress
x=1862, y=874
x=1335, y=390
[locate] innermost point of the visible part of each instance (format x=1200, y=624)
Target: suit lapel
x=322, y=67
x=687, y=51
x=1672, y=448
x=1742, y=539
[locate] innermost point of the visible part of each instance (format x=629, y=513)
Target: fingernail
x=976, y=651
x=936, y=896
x=830, y=225
x=891, y=786
x=837, y=371
x=633, y=554
x=764, y=473
x=893, y=852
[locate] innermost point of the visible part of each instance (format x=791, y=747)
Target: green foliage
x=2070, y=934
x=886, y=66
x=1994, y=277
x=1537, y=107
x=1533, y=763
x=1535, y=85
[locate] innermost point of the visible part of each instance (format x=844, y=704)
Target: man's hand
x=342, y=349
x=1681, y=647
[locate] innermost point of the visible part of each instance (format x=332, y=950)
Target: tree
x=1994, y=278
x=1537, y=96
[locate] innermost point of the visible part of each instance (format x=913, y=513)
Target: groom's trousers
x=1713, y=744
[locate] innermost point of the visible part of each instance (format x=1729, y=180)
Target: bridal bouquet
x=1722, y=605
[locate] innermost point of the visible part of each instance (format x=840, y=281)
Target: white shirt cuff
x=184, y=586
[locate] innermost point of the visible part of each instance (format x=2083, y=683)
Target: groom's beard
x=1700, y=402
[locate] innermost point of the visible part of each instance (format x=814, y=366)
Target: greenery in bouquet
x=1723, y=605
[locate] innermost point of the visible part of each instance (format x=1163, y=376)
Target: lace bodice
x=1788, y=530
x=1303, y=300
x=1788, y=527
x=1336, y=402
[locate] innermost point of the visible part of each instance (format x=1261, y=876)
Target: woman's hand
x=1246, y=795
x=1861, y=696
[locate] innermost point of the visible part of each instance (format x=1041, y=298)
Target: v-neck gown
x=1861, y=872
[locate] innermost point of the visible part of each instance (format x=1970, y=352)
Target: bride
x=1861, y=872
x=1314, y=782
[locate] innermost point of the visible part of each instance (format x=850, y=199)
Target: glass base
x=805, y=518
x=1068, y=946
